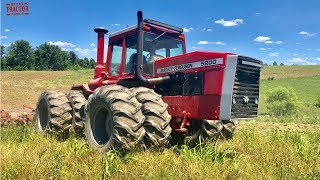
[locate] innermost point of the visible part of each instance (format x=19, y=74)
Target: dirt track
x=16, y=116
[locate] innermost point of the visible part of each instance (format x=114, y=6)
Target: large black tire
x=53, y=113
x=113, y=119
x=157, y=123
x=229, y=127
x=207, y=129
x=78, y=102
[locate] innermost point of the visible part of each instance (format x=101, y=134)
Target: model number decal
x=198, y=64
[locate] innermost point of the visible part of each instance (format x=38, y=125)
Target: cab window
x=116, y=58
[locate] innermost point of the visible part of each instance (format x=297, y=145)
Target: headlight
x=234, y=101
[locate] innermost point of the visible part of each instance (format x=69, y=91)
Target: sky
x=285, y=31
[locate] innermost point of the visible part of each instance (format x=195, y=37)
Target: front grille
x=245, y=96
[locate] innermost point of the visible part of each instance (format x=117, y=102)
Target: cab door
x=116, y=59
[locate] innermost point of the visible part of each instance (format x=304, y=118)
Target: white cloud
x=203, y=42
x=306, y=34
x=205, y=29
x=65, y=49
x=61, y=44
x=317, y=49
x=258, y=13
x=219, y=43
x=187, y=29
x=3, y=37
x=92, y=44
x=301, y=61
x=6, y=45
x=84, y=52
x=216, y=43
x=261, y=39
x=7, y=30
x=262, y=49
x=117, y=24
x=318, y=59
x=234, y=49
x=294, y=54
x=234, y=22
x=296, y=60
x=274, y=54
x=266, y=40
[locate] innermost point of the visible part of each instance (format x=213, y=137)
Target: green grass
x=252, y=154
x=19, y=88
x=279, y=72
x=307, y=90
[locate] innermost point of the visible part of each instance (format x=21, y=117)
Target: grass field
x=265, y=148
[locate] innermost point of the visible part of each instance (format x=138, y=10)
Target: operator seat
x=133, y=60
x=155, y=57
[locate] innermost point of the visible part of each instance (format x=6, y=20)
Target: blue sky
x=269, y=30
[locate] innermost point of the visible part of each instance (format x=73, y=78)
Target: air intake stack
x=100, y=52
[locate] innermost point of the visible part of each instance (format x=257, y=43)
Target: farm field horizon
x=267, y=147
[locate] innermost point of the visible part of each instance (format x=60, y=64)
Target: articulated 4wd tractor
x=150, y=90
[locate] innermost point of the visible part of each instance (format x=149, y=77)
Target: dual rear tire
x=53, y=113
x=202, y=130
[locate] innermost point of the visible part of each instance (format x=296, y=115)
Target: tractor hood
x=190, y=62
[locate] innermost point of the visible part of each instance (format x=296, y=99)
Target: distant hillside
x=290, y=71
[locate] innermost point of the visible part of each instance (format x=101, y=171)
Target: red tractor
x=150, y=90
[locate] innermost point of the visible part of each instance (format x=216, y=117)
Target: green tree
x=281, y=64
x=2, y=51
x=73, y=58
x=20, y=56
x=3, y=59
x=51, y=57
x=84, y=63
x=92, y=64
x=275, y=63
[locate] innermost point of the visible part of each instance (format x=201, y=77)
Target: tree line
x=20, y=56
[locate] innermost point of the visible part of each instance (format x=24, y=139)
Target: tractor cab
x=159, y=41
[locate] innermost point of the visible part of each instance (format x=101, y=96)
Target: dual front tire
x=114, y=119
x=119, y=118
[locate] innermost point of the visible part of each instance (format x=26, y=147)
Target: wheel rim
x=43, y=115
x=101, y=125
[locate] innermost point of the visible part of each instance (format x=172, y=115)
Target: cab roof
x=152, y=23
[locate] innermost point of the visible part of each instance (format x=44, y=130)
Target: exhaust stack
x=100, y=52
x=139, y=63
